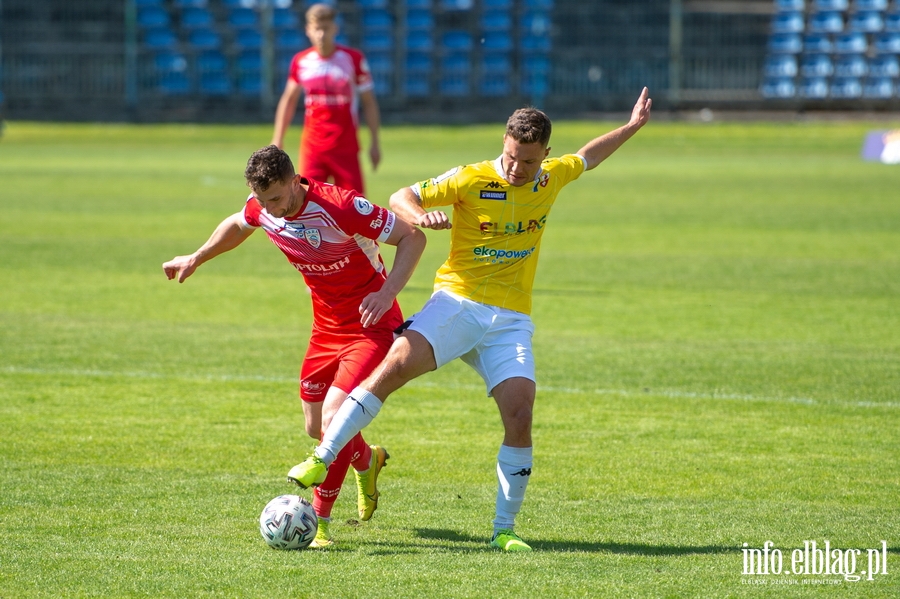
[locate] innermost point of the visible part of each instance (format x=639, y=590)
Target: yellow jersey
x=497, y=228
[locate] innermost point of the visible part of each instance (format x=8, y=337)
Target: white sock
x=513, y=472
x=357, y=411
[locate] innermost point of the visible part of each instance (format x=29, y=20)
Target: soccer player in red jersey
x=330, y=235
x=334, y=80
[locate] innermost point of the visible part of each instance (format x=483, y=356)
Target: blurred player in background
x=334, y=80
x=331, y=236
x=480, y=308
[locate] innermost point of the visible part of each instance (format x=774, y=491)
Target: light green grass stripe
x=453, y=385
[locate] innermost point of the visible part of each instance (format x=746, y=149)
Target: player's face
x=521, y=162
x=321, y=35
x=281, y=199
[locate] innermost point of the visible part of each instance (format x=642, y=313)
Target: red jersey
x=333, y=242
x=331, y=89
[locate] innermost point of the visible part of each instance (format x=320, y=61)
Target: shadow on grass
x=572, y=546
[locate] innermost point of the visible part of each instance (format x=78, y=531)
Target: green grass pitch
x=718, y=345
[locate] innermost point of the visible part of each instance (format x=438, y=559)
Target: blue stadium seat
x=377, y=42
x=285, y=18
x=457, y=4
x=419, y=20
x=211, y=61
x=497, y=41
x=425, y=4
x=879, y=88
x=816, y=65
x=377, y=21
x=496, y=21
x=892, y=21
x=174, y=84
x=818, y=43
x=455, y=63
x=780, y=65
x=418, y=63
x=290, y=39
x=492, y=5
x=419, y=41
x=826, y=22
x=790, y=5
x=871, y=4
x=372, y=3
x=787, y=22
x=247, y=39
x=866, y=22
x=454, y=85
x=533, y=43
x=456, y=40
x=814, y=87
x=887, y=43
x=142, y=3
x=182, y=4
x=193, y=17
x=160, y=38
x=150, y=17
x=535, y=23
x=243, y=18
x=851, y=65
x=496, y=64
x=249, y=61
x=850, y=43
x=494, y=85
x=887, y=65
x=381, y=64
x=214, y=84
x=536, y=85
x=535, y=63
x=204, y=39
x=170, y=62
x=784, y=43
x=832, y=4
x=542, y=4
x=249, y=84
x=417, y=86
x=778, y=88
x=846, y=87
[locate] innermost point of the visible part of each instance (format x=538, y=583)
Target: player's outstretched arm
x=599, y=149
x=407, y=205
x=410, y=243
x=230, y=233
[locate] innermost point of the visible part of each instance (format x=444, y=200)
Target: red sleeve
x=359, y=216
x=252, y=210
x=364, y=79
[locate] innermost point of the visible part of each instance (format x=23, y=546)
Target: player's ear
x=547, y=152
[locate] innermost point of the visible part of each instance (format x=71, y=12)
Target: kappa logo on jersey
x=545, y=178
x=494, y=185
x=363, y=206
x=313, y=237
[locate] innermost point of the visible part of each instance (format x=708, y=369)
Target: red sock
x=326, y=493
x=362, y=453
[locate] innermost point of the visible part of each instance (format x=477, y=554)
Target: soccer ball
x=288, y=522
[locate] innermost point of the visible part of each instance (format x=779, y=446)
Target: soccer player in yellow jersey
x=479, y=311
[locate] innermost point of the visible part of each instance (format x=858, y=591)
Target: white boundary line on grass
x=427, y=384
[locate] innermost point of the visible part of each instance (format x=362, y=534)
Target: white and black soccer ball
x=288, y=522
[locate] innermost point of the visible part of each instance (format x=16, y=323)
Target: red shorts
x=341, y=361
x=342, y=167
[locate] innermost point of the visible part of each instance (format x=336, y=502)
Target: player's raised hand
x=434, y=220
x=180, y=266
x=640, y=114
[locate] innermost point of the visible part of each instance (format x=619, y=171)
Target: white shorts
x=496, y=342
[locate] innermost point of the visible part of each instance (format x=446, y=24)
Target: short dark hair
x=321, y=13
x=267, y=166
x=529, y=125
